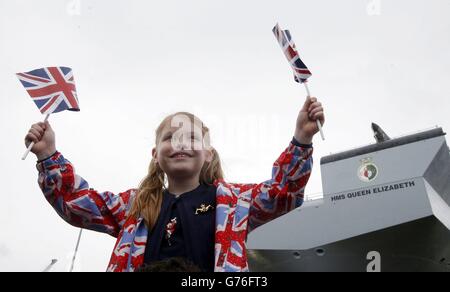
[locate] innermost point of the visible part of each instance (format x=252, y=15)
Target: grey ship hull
x=402, y=214
x=420, y=245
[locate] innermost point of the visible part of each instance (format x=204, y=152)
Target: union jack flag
x=301, y=72
x=52, y=89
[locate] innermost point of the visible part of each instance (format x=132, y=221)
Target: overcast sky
x=136, y=61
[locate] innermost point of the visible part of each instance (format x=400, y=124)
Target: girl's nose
x=182, y=142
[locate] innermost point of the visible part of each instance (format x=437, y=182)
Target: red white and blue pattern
x=301, y=72
x=52, y=89
x=240, y=208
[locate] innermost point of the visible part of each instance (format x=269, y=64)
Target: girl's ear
x=154, y=155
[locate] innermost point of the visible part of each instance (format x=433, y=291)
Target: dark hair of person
x=176, y=264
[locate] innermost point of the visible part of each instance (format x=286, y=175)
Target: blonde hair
x=148, y=200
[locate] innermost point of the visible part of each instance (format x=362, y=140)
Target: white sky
x=136, y=61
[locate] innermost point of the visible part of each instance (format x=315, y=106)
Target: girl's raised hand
x=306, y=127
x=43, y=137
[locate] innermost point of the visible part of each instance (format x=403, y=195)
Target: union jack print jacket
x=240, y=208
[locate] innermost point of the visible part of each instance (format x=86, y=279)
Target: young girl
x=183, y=208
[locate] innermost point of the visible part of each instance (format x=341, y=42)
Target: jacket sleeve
x=77, y=203
x=285, y=190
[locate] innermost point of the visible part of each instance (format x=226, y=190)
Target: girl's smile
x=181, y=155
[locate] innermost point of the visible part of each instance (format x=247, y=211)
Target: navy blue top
x=193, y=234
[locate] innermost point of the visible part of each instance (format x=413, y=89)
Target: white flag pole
x=76, y=250
x=47, y=269
x=32, y=143
x=319, y=125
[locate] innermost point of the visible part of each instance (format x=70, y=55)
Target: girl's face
x=180, y=151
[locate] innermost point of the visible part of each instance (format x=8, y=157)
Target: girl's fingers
x=319, y=116
x=38, y=128
x=307, y=104
x=314, y=105
x=30, y=137
x=36, y=133
x=315, y=110
x=43, y=125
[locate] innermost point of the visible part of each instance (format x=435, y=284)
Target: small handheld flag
x=301, y=72
x=52, y=90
